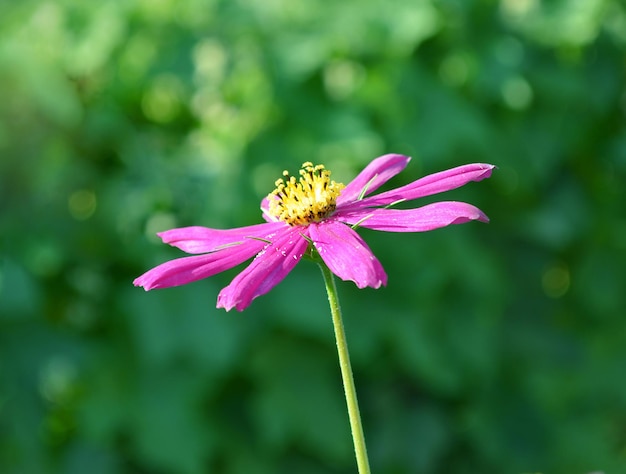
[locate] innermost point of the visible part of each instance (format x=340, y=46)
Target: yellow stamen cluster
x=308, y=199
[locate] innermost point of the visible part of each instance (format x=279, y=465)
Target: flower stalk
x=356, y=426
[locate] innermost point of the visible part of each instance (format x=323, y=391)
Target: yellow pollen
x=310, y=198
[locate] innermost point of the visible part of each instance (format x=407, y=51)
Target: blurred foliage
x=494, y=348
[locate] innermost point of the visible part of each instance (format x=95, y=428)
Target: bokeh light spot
x=555, y=280
x=517, y=8
x=44, y=258
x=210, y=59
x=82, y=204
x=510, y=51
x=162, y=101
x=158, y=223
x=454, y=70
x=517, y=93
x=341, y=78
x=57, y=378
x=136, y=58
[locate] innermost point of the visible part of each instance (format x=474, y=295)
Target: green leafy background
x=496, y=348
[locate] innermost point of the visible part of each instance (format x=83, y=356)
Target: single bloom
x=312, y=213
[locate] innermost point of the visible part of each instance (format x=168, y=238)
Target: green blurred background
x=496, y=348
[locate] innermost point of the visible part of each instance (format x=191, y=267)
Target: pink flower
x=314, y=212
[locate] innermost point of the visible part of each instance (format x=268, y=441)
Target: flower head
x=312, y=213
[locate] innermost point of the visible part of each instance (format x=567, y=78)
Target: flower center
x=308, y=199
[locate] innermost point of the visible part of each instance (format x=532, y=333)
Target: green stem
x=346, y=373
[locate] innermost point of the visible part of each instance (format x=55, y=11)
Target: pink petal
x=377, y=173
x=265, y=206
x=266, y=270
x=429, y=217
x=346, y=254
x=187, y=269
x=431, y=184
x=203, y=239
x=265, y=210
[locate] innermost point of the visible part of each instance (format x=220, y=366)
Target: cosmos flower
x=312, y=214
